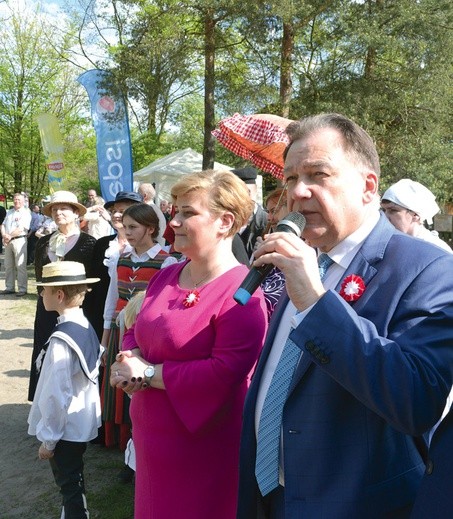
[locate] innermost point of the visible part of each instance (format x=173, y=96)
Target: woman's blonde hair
x=132, y=308
x=225, y=192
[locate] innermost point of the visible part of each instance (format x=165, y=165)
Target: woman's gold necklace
x=193, y=296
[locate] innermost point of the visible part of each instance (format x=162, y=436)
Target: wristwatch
x=149, y=373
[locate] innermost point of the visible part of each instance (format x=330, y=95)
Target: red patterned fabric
x=259, y=138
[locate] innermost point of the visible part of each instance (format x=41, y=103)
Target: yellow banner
x=52, y=145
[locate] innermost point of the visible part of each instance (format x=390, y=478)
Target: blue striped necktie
x=268, y=441
x=324, y=262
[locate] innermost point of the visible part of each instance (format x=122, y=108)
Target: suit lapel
x=363, y=265
x=365, y=262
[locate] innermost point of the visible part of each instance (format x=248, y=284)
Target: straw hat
x=61, y=273
x=63, y=197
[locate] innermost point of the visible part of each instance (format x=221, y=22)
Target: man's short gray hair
x=356, y=140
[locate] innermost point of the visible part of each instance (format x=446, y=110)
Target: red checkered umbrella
x=258, y=138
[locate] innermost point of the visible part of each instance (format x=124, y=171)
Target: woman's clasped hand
x=127, y=373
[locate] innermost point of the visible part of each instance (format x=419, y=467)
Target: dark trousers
x=67, y=468
x=273, y=505
x=31, y=245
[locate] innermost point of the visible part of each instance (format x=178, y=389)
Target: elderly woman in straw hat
x=67, y=243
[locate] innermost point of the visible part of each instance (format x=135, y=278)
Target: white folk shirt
x=66, y=405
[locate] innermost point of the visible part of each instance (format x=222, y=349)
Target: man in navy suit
x=435, y=496
x=373, y=343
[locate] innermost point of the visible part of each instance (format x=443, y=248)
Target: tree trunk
x=286, y=84
x=17, y=139
x=209, y=77
x=371, y=55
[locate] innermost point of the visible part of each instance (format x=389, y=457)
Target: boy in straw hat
x=65, y=413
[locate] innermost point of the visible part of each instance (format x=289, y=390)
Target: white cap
x=413, y=196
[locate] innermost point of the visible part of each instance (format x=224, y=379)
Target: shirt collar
x=74, y=315
x=149, y=254
x=343, y=253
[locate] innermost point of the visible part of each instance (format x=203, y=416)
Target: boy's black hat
x=121, y=196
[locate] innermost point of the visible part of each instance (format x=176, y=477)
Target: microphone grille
x=297, y=218
x=294, y=220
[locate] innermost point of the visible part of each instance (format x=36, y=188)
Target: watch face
x=149, y=371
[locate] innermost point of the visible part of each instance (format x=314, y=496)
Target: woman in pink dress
x=187, y=358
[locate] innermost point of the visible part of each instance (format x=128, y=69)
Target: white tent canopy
x=165, y=172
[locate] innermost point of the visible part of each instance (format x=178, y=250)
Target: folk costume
x=273, y=287
x=133, y=275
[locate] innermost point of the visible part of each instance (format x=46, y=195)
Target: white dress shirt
x=17, y=219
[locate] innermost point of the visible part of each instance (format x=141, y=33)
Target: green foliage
x=34, y=78
x=80, y=161
x=384, y=63
x=155, y=64
x=187, y=118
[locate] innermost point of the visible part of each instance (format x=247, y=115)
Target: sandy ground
x=27, y=488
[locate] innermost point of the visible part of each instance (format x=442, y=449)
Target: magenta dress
x=187, y=437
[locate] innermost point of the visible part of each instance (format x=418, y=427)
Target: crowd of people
x=326, y=395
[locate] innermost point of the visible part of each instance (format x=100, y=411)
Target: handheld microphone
x=293, y=223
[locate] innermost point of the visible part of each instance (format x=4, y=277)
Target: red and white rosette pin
x=352, y=288
x=191, y=298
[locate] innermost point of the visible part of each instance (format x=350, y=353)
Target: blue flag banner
x=113, y=143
